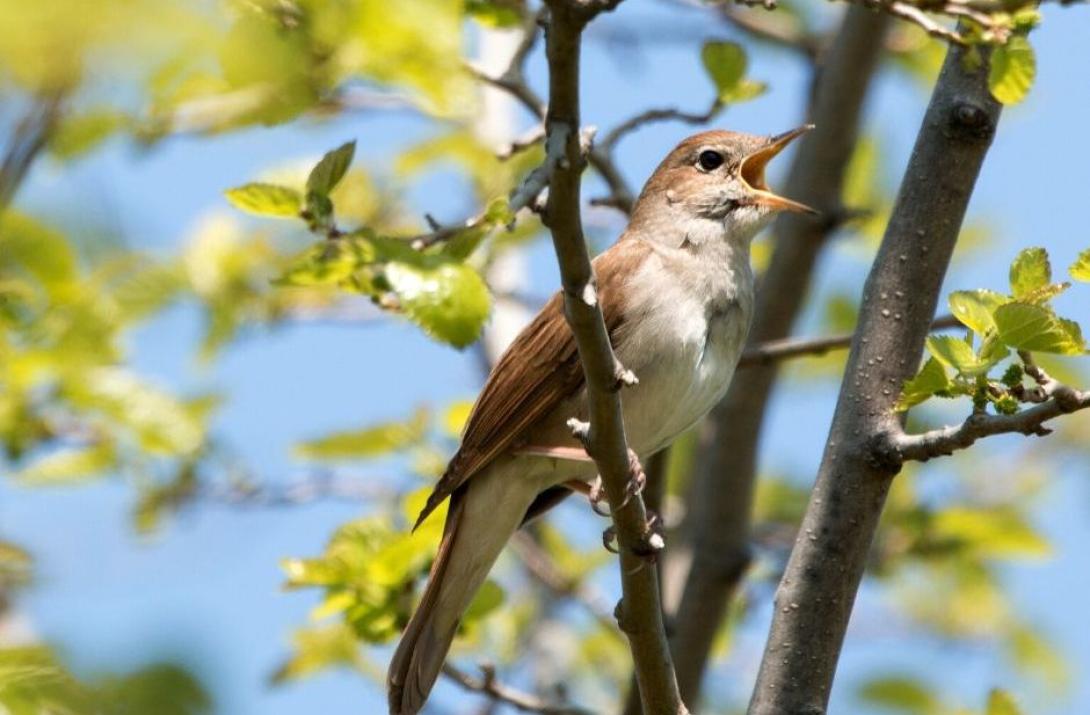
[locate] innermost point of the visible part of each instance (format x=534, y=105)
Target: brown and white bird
x=676, y=291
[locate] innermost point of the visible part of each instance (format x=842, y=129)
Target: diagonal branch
x=498, y=692
x=814, y=599
x=27, y=141
x=1053, y=397
x=640, y=611
x=773, y=351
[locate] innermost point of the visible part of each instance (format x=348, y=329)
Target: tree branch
x=721, y=493
x=640, y=612
x=814, y=599
x=27, y=140
x=772, y=351
x=1059, y=399
x=488, y=686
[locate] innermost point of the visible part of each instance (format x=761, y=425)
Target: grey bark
x=722, y=492
x=814, y=600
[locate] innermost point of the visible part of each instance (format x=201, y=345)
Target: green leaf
x=974, y=308
x=994, y=533
x=266, y=200
x=331, y=169
x=370, y=442
x=489, y=597
x=957, y=354
x=163, y=689
x=78, y=134
x=1000, y=702
x=930, y=379
x=1013, y=70
x=69, y=466
x=726, y=64
x=1080, y=269
x=492, y=13
x=1045, y=293
x=317, y=649
x=1030, y=271
x=32, y=682
x=1024, y=326
x=903, y=694
x=450, y=301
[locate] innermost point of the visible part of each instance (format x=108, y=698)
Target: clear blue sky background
x=207, y=588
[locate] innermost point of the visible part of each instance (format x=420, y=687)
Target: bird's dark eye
x=710, y=160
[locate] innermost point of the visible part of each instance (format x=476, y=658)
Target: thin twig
x=772, y=351
x=492, y=688
x=27, y=141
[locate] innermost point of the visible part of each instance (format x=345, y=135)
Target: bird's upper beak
x=752, y=172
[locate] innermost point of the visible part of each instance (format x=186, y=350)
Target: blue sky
x=208, y=587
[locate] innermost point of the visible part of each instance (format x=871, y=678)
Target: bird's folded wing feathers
x=538, y=371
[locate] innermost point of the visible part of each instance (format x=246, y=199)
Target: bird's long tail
x=480, y=520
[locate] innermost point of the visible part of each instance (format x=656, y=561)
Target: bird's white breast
x=690, y=308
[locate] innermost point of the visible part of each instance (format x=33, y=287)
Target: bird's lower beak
x=752, y=171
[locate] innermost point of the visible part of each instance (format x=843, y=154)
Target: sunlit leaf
x=974, y=308
x=959, y=355
x=370, y=442
x=456, y=416
x=266, y=200
x=1000, y=702
x=69, y=466
x=1080, y=269
x=450, y=302
x=317, y=649
x=726, y=64
x=901, y=694
x=930, y=379
x=1013, y=70
x=990, y=532
x=33, y=682
x=496, y=13
x=1024, y=326
x=1030, y=271
x=78, y=134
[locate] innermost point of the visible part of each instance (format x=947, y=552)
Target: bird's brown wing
x=538, y=371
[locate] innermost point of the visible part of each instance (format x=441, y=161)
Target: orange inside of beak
x=752, y=172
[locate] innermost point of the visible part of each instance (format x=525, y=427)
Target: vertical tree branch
x=640, y=612
x=721, y=497
x=27, y=140
x=814, y=599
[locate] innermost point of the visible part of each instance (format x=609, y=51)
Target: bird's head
x=717, y=178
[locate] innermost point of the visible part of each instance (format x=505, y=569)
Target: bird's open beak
x=752, y=171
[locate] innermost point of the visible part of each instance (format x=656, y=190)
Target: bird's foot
x=637, y=479
x=596, y=495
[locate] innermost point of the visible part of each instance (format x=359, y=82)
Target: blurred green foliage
x=73, y=408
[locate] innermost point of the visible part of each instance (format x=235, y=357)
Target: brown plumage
x=676, y=292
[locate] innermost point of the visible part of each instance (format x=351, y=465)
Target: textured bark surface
x=814, y=600
x=640, y=611
x=721, y=496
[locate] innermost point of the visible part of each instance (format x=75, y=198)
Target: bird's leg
x=637, y=479
x=596, y=494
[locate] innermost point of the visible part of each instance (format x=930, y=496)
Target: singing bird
x=676, y=291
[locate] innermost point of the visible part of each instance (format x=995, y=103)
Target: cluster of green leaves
x=221, y=66
x=435, y=286
x=33, y=681
x=997, y=323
